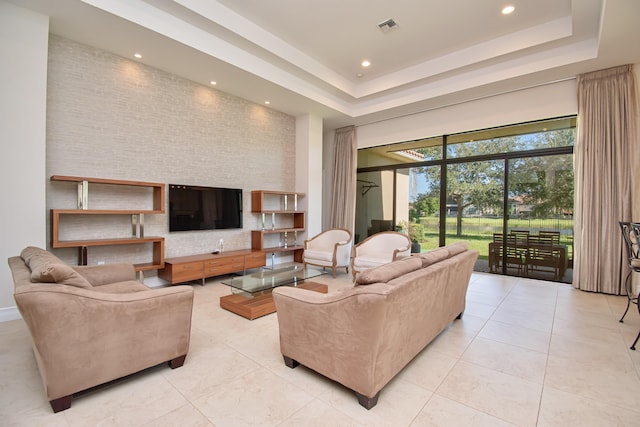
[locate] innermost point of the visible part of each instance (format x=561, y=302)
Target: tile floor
x=526, y=353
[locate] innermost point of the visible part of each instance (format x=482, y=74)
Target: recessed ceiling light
x=267, y=102
x=365, y=63
x=359, y=75
x=137, y=55
x=508, y=9
x=213, y=82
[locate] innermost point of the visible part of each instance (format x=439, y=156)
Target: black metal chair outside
x=631, y=236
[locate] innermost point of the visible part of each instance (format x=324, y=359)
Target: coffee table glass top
x=266, y=279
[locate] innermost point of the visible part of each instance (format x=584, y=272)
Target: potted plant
x=415, y=231
x=416, y=234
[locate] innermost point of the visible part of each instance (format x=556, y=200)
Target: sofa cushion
x=104, y=274
x=122, y=287
x=58, y=273
x=384, y=273
x=456, y=248
x=319, y=255
x=434, y=256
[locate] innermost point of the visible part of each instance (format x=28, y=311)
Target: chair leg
x=61, y=403
x=366, y=401
x=626, y=286
x=633, y=346
x=289, y=362
x=177, y=362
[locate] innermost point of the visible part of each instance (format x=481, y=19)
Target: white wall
x=23, y=85
x=309, y=169
x=111, y=117
x=114, y=117
x=542, y=102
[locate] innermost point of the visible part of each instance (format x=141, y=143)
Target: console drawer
x=186, y=272
x=258, y=259
x=224, y=261
x=218, y=270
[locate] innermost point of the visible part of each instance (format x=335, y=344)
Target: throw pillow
x=62, y=274
x=456, y=248
x=434, y=256
x=35, y=257
x=386, y=272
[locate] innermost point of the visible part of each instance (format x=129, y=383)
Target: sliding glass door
x=541, y=214
x=418, y=205
x=374, y=204
x=507, y=191
x=474, y=207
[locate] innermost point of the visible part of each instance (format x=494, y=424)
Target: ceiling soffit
x=218, y=31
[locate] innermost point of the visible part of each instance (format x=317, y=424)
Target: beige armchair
x=331, y=248
x=91, y=325
x=379, y=249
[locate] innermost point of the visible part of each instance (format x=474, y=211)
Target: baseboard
x=9, y=313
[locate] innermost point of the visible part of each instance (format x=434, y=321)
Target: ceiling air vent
x=387, y=25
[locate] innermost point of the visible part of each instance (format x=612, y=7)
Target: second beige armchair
x=331, y=248
x=379, y=249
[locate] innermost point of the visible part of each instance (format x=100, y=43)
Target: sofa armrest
x=99, y=275
x=83, y=337
x=337, y=334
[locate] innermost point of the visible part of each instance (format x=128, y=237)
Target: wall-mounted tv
x=204, y=208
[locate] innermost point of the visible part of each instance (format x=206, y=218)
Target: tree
x=477, y=184
x=546, y=183
x=424, y=205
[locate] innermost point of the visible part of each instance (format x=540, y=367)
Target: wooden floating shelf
x=158, y=188
x=137, y=220
x=105, y=242
x=102, y=212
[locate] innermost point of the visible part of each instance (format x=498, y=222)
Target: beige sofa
x=363, y=336
x=90, y=325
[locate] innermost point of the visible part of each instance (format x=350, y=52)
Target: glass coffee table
x=251, y=293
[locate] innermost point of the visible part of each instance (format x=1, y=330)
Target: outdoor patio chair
x=543, y=256
x=514, y=253
x=554, y=235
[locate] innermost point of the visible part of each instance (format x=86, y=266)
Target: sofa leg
x=368, y=402
x=290, y=362
x=177, y=362
x=61, y=403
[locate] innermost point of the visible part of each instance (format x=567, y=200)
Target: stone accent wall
x=112, y=117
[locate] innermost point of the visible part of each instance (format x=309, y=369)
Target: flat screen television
x=204, y=208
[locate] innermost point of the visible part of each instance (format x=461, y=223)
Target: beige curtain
x=345, y=163
x=604, y=162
